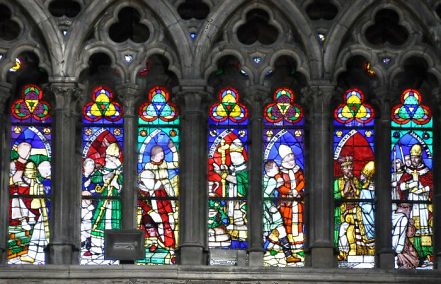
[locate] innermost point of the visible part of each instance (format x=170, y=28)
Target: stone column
x=382, y=179
x=193, y=173
x=256, y=95
x=62, y=241
x=5, y=93
x=436, y=108
x=128, y=94
x=319, y=186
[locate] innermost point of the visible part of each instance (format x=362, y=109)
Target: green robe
x=108, y=202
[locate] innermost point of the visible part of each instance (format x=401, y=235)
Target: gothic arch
x=162, y=9
x=206, y=42
x=52, y=37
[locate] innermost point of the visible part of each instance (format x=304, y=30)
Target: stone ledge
x=204, y=274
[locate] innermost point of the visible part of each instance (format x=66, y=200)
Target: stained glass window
x=102, y=173
x=29, y=177
x=354, y=189
x=283, y=181
x=228, y=172
x=412, y=183
x=158, y=177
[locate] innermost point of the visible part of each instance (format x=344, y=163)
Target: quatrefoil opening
x=193, y=9
x=321, y=9
x=68, y=8
x=9, y=29
x=129, y=27
x=386, y=29
x=257, y=28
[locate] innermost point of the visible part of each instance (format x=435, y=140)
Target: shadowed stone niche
x=196, y=9
x=29, y=71
x=415, y=75
x=257, y=28
x=100, y=70
x=358, y=74
x=386, y=29
x=321, y=9
x=129, y=27
x=9, y=29
x=228, y=71
x=68, y=8
x=438, y=10
x=285, y=74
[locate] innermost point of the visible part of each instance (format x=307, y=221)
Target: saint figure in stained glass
x=158, y=177
x=283, y=181
x=228, y=172
x=102, y=173
x=354, y=189
x=29, y=178
x=412, y=182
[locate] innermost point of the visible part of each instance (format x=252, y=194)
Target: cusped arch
x=428, y=55
x=214, y=24
x=20, y=49
x=302, y=66
x=83, y=63
x=51, y=35
x=350, y=16
x=163, y=9
x=354, y=50
x=217, y=55
x=173, y=65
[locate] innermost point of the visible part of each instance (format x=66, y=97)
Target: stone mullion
x=383, y=199
x=128, y=94
x=4, y=173
x=61, y=246
x=320, y=185
x=436, y=200
x=255, y=195
x=193, y=169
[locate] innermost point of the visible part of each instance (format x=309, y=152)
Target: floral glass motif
x=412, y=182
x=102, y=107
x=228, y=111
x=411, y=113
x=158, y=109
x=228, y=172
x=31, y=107
x=353, y=112
x=283, y=111
x=354, y=189
x=29, y=178
x=102, y=173
x=158, y=177
x=283, y=181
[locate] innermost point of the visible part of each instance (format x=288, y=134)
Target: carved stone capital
x=5, y=94
x=67, y=96
x=435, y=32
x=318, y=94
x=128, y=94
x=384, y=103
x=436, y=93
x=257, y=95
x=192, y=99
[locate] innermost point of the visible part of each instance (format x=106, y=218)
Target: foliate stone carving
x=128, y=95
x=5, y=94
x=317, y=94
x=67, y=97
x=193, y=99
